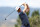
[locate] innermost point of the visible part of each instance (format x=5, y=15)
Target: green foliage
x=34, y=21
x=35, y=13
x=27, y=13
x=16, y=25
x=18, y=22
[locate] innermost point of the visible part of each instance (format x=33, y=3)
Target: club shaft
x=9, y=14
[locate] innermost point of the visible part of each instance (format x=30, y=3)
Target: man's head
x=18, y=9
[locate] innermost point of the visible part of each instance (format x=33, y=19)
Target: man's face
x=19, y=10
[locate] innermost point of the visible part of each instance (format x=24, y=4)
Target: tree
x=35, y=13
x=16, y=25
x=18, y=22
x=35, y=20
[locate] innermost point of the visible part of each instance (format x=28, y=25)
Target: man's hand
x=26, y=7
x=24, y=4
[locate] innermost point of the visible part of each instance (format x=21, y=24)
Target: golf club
x=9, y=14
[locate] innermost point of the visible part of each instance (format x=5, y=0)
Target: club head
x=5, y=18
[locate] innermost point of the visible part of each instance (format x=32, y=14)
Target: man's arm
x=26, y=8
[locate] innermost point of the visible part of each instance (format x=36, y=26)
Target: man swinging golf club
x=23, y=16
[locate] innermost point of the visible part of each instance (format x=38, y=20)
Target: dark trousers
x=25, y=25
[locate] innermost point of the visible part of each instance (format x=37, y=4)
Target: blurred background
x=7, y=6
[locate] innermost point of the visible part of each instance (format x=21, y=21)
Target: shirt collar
x=19, y=12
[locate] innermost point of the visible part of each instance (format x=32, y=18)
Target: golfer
x=23, y=16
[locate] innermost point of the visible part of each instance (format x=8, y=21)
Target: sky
x=13, y=3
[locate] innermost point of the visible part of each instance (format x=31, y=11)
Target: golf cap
x=17, y=8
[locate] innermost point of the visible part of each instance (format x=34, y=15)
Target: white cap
x=17, y=8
